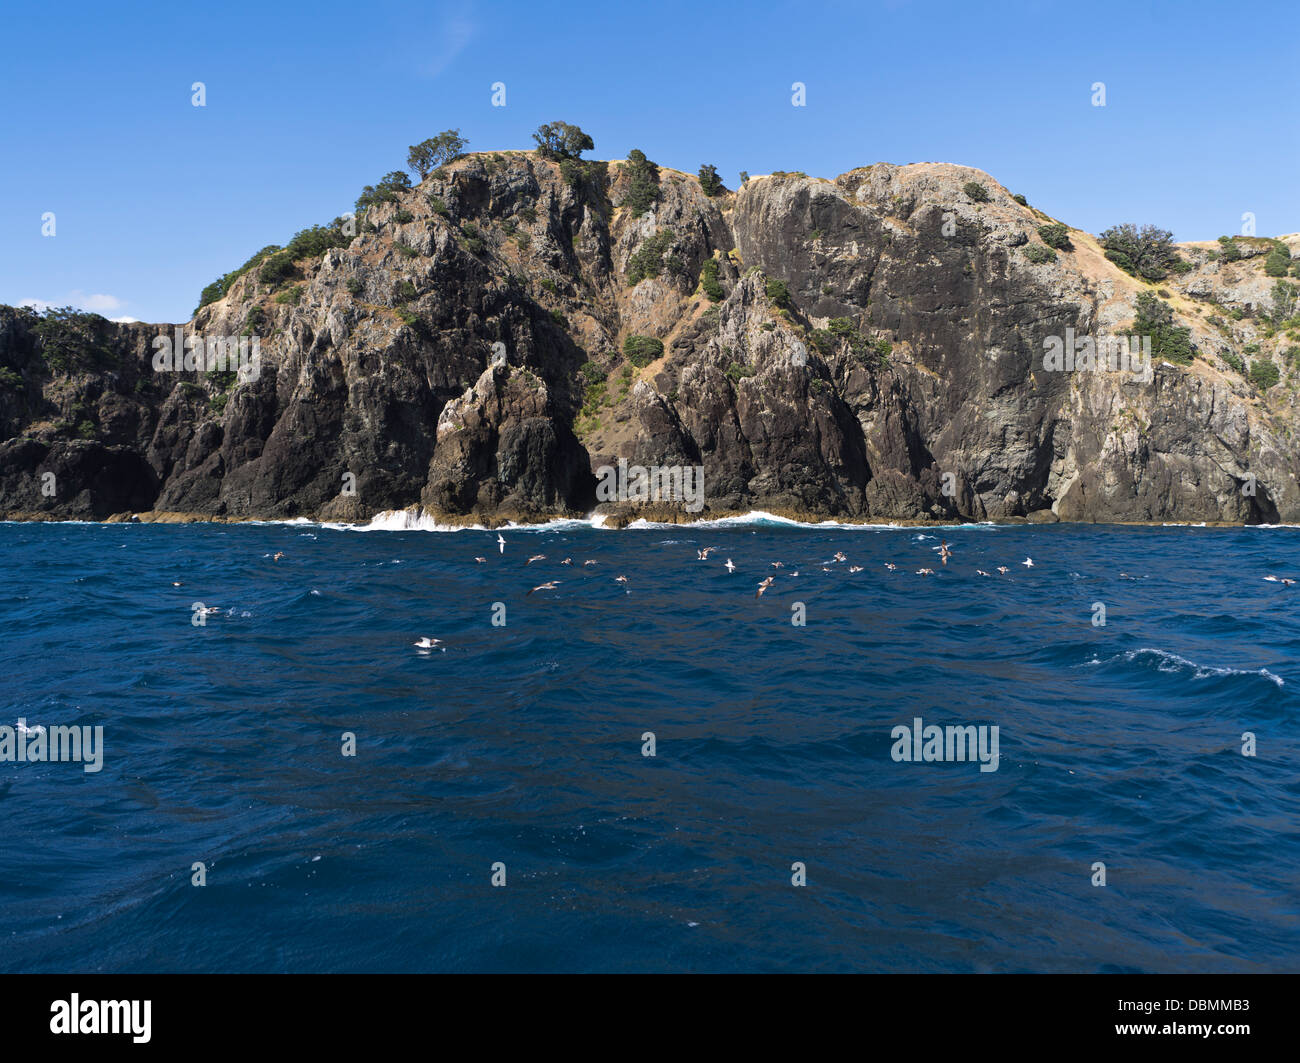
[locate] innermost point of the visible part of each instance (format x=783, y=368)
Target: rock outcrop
x=867, y=348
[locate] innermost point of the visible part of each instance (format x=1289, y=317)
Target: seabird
x=890, y=565
x=839, y=556
x=567, y=561
x=729, y=566
x=1003, y=569
x=1028, y=562
x=777, y=564
x=481, y=560
x=427, y=643
x=535, y=557
x=704, y=554
x=925, y=572
x=763, y=586
x=981, y=572
x=1287, y=582
x=944, y=552
x=620, y=579
x=549, y=586
x=586, y=563
x=279, y=554
x=501, y=542
x=855, y=568
x=178, y=585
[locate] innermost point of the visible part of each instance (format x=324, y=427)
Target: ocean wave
x=1173, y=663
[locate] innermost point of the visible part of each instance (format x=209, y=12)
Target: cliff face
x=873, y=348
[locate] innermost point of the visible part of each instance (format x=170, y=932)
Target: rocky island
x=476, y=344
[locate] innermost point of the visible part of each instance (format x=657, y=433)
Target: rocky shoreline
x=867, y=349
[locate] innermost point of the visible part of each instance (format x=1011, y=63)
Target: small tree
x=1148, y=252
x=1279, y=260
x=710, y=182
x=643, y=183
x=1264, y=374
x=1156, y=319
x=976, y=191
x=560, y=140
x=744, y=177
x=1056, y=235
x=428, y=155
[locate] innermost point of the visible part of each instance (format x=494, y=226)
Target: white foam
x=1172, y=662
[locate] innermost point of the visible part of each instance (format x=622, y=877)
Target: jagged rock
x=876, y=354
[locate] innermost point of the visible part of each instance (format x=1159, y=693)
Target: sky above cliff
x=152, y=197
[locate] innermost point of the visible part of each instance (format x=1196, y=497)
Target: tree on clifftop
x=428, y=155
x=559, y=140
x=1147, y=252
x=710, y=182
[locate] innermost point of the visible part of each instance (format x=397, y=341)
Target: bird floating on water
x=427, y=643
x=925, y=572
x=1003, y=569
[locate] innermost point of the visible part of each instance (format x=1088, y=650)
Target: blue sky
x=153, y=198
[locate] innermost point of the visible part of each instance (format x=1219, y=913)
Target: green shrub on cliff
x=1168, y=341
x=1038, y=254
x=778, y=292
x=73, y=341
x=648, y=260
x=710, y=182
x=219, y=287
x=1264, y=374
x=976, y=192
x=709, y=281
x=1147, y=252
x=642, y=350
x=9, y=379
x=1056, y=235
x=1278, y=262
x=643, y=183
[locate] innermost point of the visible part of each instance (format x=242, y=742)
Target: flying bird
x=981, y=572
x=481, y=560
x=548, y=586
x=777, y=564
x=535, y=557
x=839, y=556
x=1028, y=562
x=567, y=561
x=586, y=563
x=501, y=542
x=925, y=572
x=427, y=643
x=703, y=555
x=730, y=566
x=763, y=586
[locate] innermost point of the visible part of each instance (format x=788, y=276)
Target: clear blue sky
x=307, y=102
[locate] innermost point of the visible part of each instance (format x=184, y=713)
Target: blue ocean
x=353, y=801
